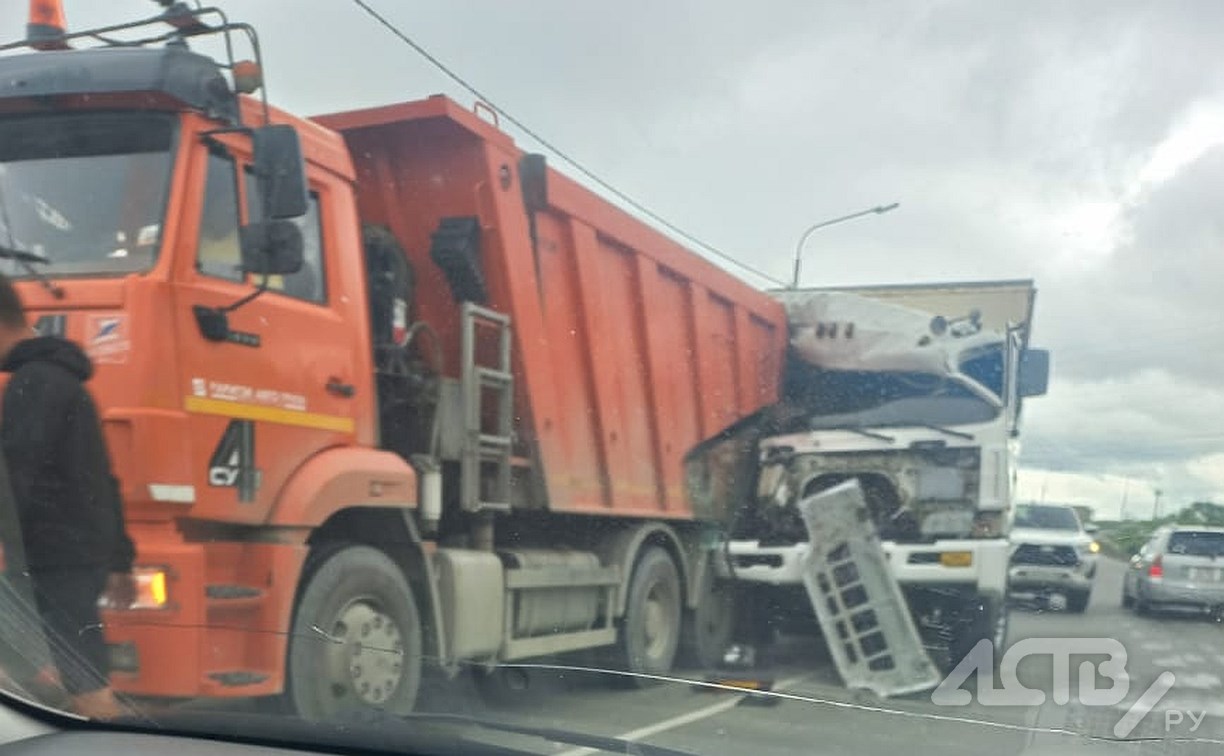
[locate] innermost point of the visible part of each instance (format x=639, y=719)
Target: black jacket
x=67, y=497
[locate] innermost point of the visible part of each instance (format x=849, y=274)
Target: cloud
x=1076, y=143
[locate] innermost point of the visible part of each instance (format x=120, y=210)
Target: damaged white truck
x=916, y=393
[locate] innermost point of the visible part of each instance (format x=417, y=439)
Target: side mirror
x=1091, y=528
x=272, y=248
x=280, y=172
x=1033, y=377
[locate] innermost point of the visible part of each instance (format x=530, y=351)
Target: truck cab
x=921, y=409
x=191, y=241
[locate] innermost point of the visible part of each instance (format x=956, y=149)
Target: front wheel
x=356, y=643
x=707, y=630
x=980, y=618
x=650, y=631
x=1077, y=603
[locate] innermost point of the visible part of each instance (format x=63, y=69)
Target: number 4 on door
x=233, y=461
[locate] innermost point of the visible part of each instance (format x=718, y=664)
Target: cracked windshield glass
x=673, y=377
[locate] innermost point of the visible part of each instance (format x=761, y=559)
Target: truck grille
x=1052, y=556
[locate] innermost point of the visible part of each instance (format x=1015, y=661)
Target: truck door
x=281, y=386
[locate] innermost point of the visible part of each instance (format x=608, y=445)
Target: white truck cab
x=923, y=410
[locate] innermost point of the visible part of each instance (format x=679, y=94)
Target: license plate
x=1206, y=574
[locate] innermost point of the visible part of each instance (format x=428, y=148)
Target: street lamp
x=878, y=210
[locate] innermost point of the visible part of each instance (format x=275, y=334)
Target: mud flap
x=862, y=612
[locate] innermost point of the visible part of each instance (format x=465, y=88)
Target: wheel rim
x=367, y=660
x=656, y=622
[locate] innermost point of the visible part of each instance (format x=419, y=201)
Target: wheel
x=356, y=643
x=650, y=631
x=1142, y=607
x=1127, y=600
x=756, y=623
x=707, y=631
x=1077, y=603
x=981, y=618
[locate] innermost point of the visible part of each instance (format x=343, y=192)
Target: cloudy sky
x=1075, y=143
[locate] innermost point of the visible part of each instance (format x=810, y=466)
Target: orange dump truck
x=379, y=386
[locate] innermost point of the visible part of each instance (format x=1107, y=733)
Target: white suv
x=1051, y=553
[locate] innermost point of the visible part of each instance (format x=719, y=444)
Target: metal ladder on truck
x=538, y=584
x=484, y=464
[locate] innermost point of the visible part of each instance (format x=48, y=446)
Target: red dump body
x=628, y=349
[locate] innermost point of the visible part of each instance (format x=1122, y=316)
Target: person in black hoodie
x=76, y=545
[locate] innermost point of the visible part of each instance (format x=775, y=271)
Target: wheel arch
x=341, y=478
x=625, y=546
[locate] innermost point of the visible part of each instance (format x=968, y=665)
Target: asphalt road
x=816, y=715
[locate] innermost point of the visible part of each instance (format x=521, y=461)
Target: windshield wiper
x=946, y=431
x=860, y=431
x=27, y=260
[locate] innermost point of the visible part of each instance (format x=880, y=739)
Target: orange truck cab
x=379, y=387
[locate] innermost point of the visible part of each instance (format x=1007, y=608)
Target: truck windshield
x=986, y=366
x=86, y=191
x=944, y=411
x=834, y=398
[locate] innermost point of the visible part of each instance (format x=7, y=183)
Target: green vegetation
x=1122, y=539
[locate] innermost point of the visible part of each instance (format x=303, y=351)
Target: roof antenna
x=46, y=28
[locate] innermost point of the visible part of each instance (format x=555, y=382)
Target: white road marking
x=683, y=719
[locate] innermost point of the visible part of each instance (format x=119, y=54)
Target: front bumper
x=200, y=645
x=1036, y=578
x=912, y=564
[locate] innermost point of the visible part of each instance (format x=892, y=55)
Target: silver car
x=1180, y=567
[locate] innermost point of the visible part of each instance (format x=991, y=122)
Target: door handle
x=340, y=388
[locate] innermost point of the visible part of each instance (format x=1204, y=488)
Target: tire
x=1128, y=601
x=1077, y=603
x=372, y=659
x=755, y=622
x=650, y=630
x=982, y=619
x=707, y=631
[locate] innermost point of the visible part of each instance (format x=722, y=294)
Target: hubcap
x=368, y=658
x=655, y=622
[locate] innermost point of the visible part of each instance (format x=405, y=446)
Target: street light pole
x=878, y=210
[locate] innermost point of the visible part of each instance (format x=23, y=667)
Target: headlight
x=151, y=589
x=1094, y=547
